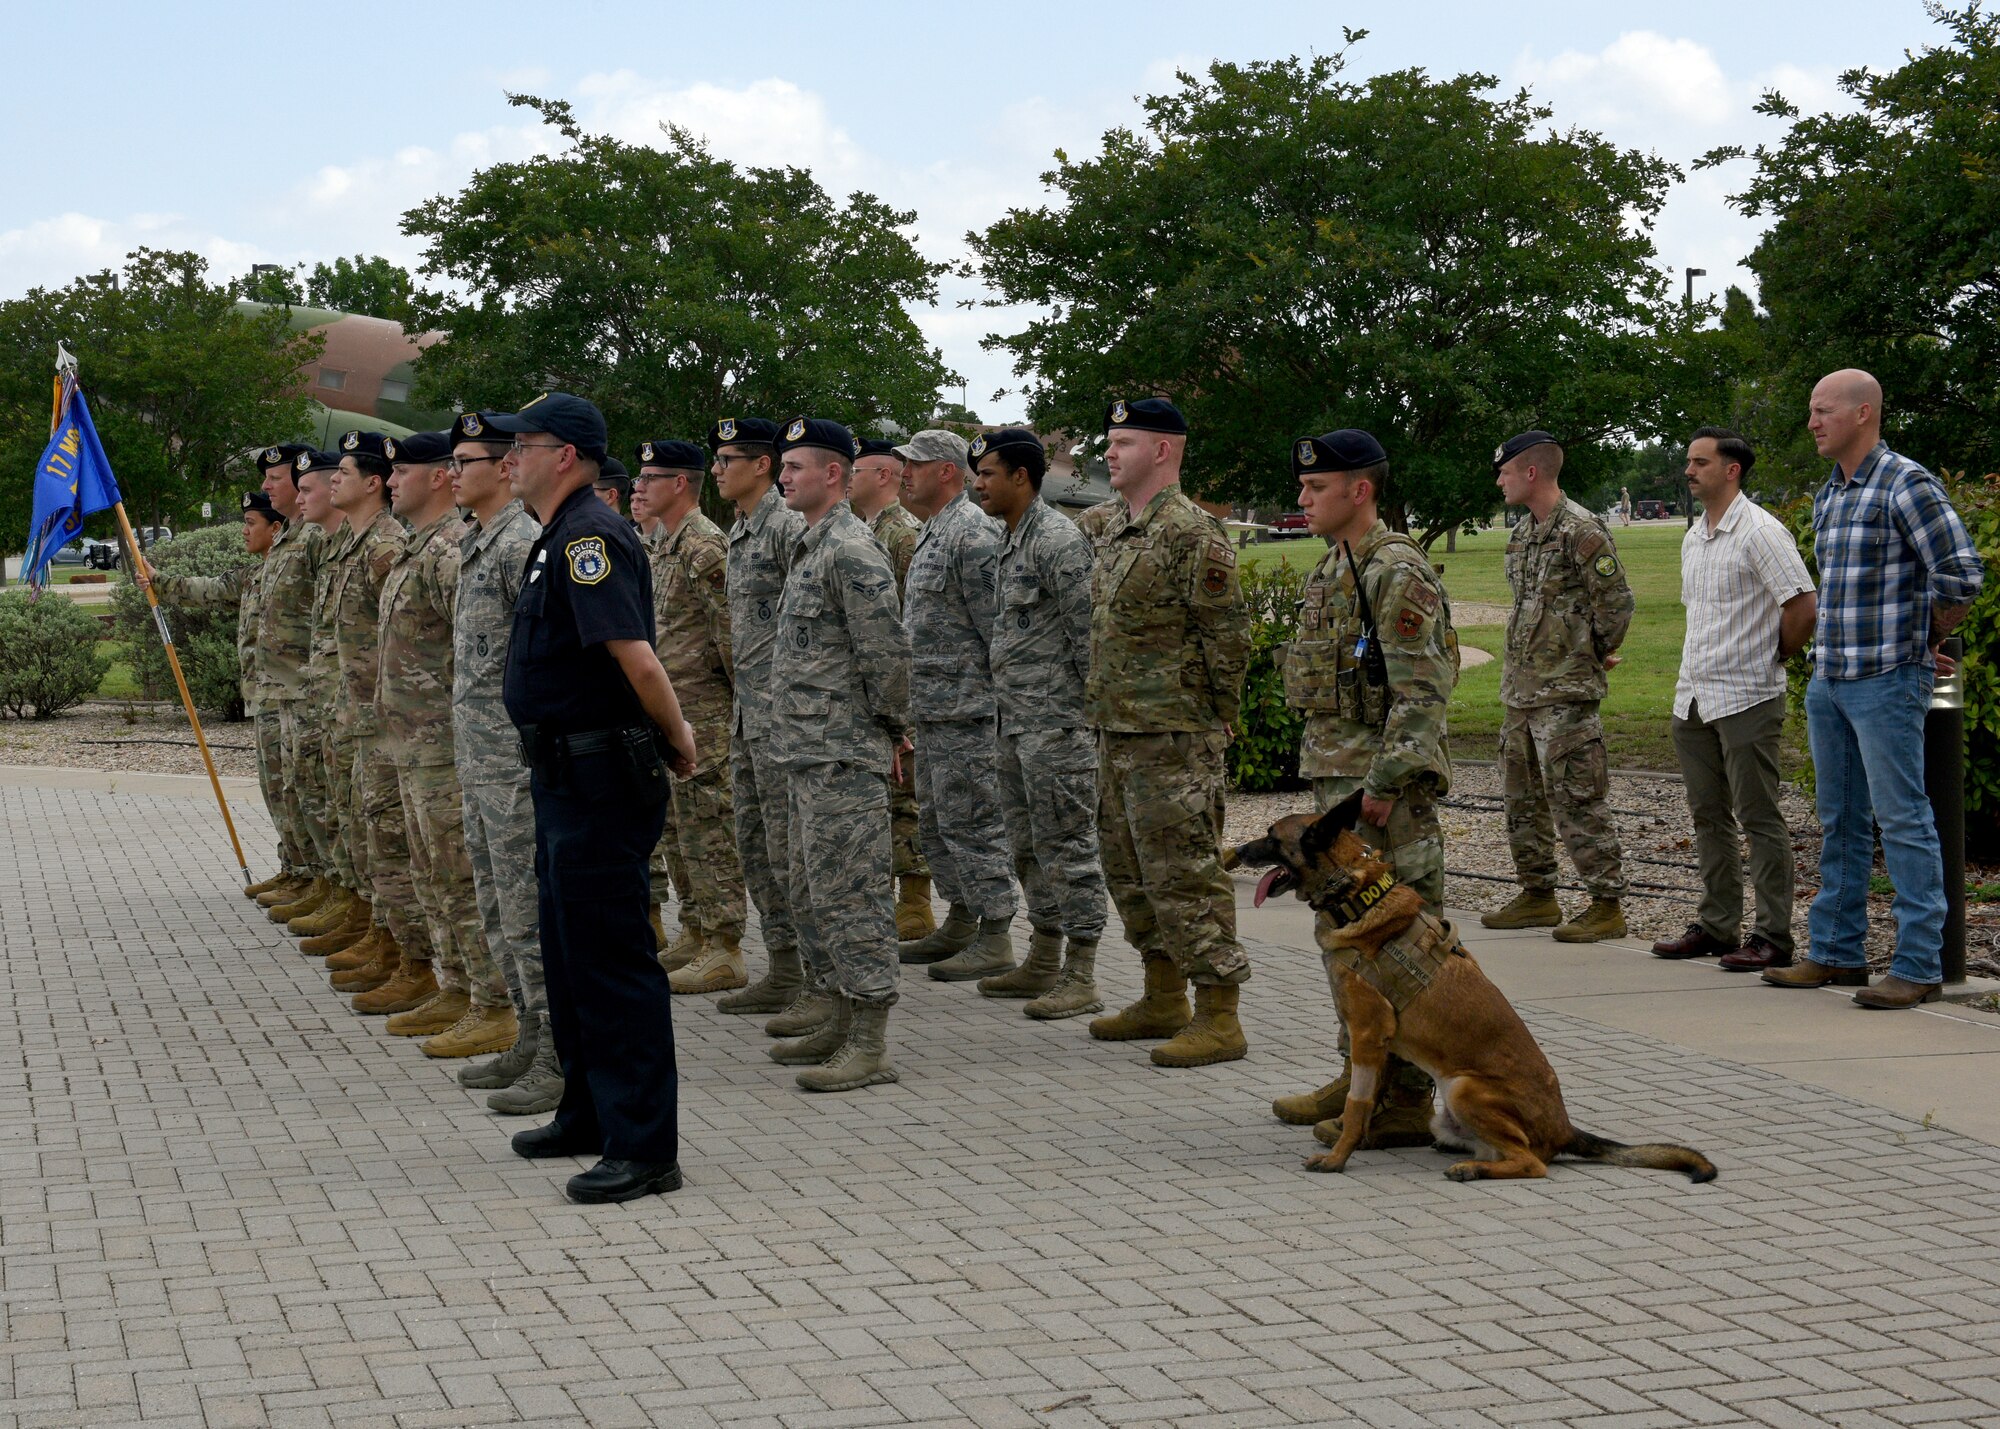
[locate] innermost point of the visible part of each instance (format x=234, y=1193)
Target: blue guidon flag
x=73, y=480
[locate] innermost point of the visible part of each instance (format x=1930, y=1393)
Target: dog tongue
x=1264, y=884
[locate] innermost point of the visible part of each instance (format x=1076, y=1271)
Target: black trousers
x=609, y=1006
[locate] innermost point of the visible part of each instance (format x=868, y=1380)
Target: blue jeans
x=1867, y=739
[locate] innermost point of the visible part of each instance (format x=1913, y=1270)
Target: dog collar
x=1361, y=899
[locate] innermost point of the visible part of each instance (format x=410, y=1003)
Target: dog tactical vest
x=1404, y=965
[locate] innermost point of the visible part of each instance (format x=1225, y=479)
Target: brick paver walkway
x=227, y=1200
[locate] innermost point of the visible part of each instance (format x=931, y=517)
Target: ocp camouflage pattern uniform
x=284, y=645
x=761, y=549
x=499, y=814
x=413, y=699
x=949, y=608
x=322, y=680
x=1169, y=645
x=895, y=530
x=666, y=872
x=840, y=680
x=1047, y=750
x=691, y=621
x=1572, y=607
x=1388, y=740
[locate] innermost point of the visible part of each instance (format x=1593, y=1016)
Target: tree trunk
x=1451, y=539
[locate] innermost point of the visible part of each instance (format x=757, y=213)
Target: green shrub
x=205, y=638
x=1265, y=752
x=48, y=655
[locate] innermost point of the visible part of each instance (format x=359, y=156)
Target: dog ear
x=1321, y=834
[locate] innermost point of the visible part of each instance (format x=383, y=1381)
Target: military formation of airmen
x=902, y=671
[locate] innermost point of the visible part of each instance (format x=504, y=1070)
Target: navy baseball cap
x=674, y=455
x=817, y=432
x=421, y=447
x=568, y=419
x=1147, y=414
x=1349, y=449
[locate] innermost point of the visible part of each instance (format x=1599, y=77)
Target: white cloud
x=52, y=252
x=766, y=124
x=1641, y=76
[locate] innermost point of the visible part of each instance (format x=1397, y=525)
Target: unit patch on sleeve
x=588, y=563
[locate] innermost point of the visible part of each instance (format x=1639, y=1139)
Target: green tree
x=180, y=382
x=270, y=283
x=671, y=287
x=1283, y=251
x=1885, y=251
x=369, y=287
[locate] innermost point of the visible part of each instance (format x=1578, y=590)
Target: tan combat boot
x=437, y=1013
x=359, y=954
x=1530, y=908
x=1402, y=1116
x=1161, y=1010
x=265, y=885
x=683, y=950
x=863, y=1059
x=1312, y=1108
x=659, y=926
x=479, y=1031
x=991, y=953
x=1037, y=975
x=775, y=991
x=346, y=934
x=820, y=1043
x=810, y=1009
x=955, y=935
x=1214, y=1036
x=325, y=918
x=287, y=890
x=376, y=971
x=719, y=968
x=307, y=902
x=1602, y=919
x=914, y=919
x=1075, y=992
x=412, y=986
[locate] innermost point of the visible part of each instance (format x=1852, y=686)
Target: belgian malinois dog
x=1498, y=1095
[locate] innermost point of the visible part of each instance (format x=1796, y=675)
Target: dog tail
x=1653, y=1155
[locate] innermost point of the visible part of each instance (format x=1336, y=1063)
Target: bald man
x=1897, y=575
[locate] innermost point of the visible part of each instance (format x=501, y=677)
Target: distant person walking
x=1625, y=505
x=1897, y=574
x=1750, y=608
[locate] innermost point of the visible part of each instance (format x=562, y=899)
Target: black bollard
x=1944, y=781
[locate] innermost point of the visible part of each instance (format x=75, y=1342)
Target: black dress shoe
x=1694, y=943
x=552, y=1140
x=1754, y=956
x=612, y=1180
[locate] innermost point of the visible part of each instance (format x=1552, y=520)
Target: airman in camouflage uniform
x=470, y=1013
x=1572, y=607
x=840, y=679
x=1372, y=677
x=1169, y=644
x=666, y=871
x=1040, y=654
x=499, y=811
x=691, y=621
x=878, y=473
x=949, y=610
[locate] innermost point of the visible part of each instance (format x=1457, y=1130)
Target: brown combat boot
x=376, y=971
x=1530, y=908
x=361, y=953
x=953, y=936
x=1214, y=1036
x=309, y=901
x=1034, y=977
x=683, y=950
x=286, y=890
x=1161, y=1010
x=1075, y=992
x=1403, y=1111
x=411, y=987
x=1312, y=1108
x=437, y=1013
x=324, y=919
x=344, y=934
x=914, y=919
x=265, y=885
x=479, y=1031
x=719, y=968
x=1602, y=919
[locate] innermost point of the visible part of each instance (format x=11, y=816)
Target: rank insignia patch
x=588, y=563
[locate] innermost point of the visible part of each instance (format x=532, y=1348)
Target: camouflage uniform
x=1048, y=755
x=761, y=549
x=666, y=871
x=691, y=622
x=895, y=530
x=1387, y=740
x=413, y=698
x=499, y=815
x=1572, y=606
x=952, y=597
x=840, y=683
x=1169, y=644
x=327, y=790
x=284, y=645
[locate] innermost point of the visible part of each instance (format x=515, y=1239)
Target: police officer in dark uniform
x=600, y=727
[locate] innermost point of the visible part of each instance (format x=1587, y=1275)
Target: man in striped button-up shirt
x=1897, y=574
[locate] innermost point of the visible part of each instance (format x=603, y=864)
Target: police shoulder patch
x=589, y=563
x=1606, y=565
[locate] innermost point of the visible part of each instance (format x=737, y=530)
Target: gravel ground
x=139, y=736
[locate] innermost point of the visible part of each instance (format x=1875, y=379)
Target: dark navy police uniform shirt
x=587, y=581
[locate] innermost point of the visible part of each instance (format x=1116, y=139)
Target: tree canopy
x=364, y=287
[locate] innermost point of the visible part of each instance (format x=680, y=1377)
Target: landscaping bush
x=205, y=638
x=48, y=655
x=1265, y=752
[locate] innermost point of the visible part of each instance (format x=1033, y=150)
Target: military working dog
x=1403, y=983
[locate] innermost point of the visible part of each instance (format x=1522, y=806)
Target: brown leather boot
x=1161, y=1010
x=1807, y=973
x=413, y=984
x=1213, y=1036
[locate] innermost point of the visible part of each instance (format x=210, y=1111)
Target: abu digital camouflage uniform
x=284, y=645
x=1047, y=752
x=761, y=549
x=499, y=814
x=691, y=635
x=1169, y=644
x=948, y=608
x=840, y=687
x=413, y=700
x=1572, y=607
x=895, y=530
x=1386, y=739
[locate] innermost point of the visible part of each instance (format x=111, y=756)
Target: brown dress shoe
x=1754, y=956
x=1696, y=942
x=1807, y=973
x=1893, y=992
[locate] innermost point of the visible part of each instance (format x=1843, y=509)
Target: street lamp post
x=1692, y=274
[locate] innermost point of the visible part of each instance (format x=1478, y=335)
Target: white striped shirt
x=1733, y=581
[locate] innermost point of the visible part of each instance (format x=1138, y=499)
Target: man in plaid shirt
x=1897, y=574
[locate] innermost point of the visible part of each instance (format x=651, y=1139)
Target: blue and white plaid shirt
x=1889, y=545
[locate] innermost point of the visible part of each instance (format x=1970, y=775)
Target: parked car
x=101, y=555
x=1288, y=526
x=1652, y=510
x=71, y=555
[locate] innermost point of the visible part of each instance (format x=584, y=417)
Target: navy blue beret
x=1349, y=449
x=284, y=454
x=1148, y=414
x=674, y=455
x=817, y=432
x=731, y=431
x=873, y=446
x=477, y=427
x=419, y=447
x=1514, y=446
x=1005, y=439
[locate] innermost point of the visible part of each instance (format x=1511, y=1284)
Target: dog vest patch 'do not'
x=588, y=562
x=1403, y=966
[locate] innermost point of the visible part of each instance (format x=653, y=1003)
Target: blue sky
x=265, y=133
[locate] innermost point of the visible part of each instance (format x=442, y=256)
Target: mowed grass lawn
x=1638, y=712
